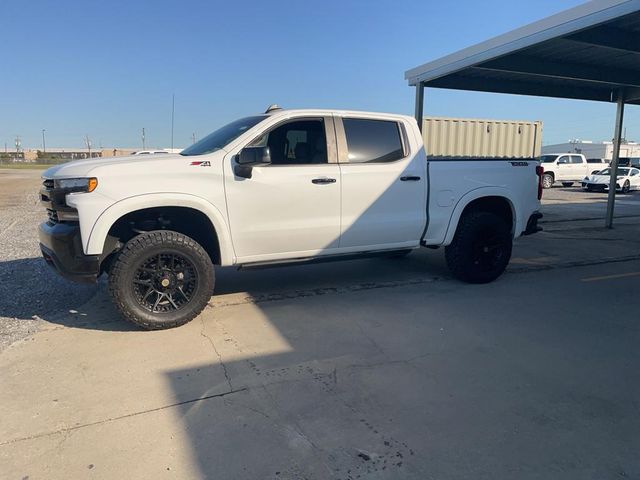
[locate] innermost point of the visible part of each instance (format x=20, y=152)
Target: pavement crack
x=373, y=343
x=213, y=345
x=406, y=361
x=66, y=430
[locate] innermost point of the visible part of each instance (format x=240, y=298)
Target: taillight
x=539, y=172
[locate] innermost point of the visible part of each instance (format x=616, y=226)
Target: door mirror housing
x=248, y=158
x=254, y=156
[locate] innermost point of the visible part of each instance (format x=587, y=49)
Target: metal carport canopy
x=589, y=52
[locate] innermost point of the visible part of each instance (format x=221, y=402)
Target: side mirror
x=250, y=157
x=254, y=155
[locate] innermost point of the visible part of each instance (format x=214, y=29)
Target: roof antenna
x=272, y=108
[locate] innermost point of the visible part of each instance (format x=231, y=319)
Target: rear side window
x=372, y=141
x=576, y=159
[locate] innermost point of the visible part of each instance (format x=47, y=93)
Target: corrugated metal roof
x=589, y=52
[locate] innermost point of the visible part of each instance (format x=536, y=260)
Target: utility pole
x=18, y=143
x=87, y=142
x=44, y=145
x=193, y=138
x=173, y=109
x=143, y=137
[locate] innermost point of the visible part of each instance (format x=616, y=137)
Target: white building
x=593, y=149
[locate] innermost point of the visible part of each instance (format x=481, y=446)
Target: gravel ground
x=31, y=294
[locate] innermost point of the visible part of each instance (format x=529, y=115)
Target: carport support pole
x=419, y=103
x=614, y=162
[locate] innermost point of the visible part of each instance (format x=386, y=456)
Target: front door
x=291, y=207
x=565, y=169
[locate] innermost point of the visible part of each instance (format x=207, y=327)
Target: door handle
x=409, y=178
x=322, y=181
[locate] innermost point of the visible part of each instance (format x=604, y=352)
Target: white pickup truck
x=285, y=186
x=567, y=168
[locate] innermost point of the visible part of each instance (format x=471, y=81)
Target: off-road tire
x=475, y=236
x=547, y=180
x=140, y=249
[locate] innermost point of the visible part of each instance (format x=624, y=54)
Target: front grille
x=52, y=215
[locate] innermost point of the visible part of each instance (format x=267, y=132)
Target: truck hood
x=83, y=168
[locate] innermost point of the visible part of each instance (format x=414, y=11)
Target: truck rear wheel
x=481, y=248
x=161, y=279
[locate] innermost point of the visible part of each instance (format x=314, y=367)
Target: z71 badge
x=206, y=163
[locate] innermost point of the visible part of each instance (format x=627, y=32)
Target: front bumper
x=61, y=248
x=532, y=224
x=598, y=187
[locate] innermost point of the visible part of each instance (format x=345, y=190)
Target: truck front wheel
x=161, y=279
x=481, y=248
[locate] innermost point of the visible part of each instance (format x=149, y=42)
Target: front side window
x=548, y=158
x=372, y=141
x=223, y=136
x=300, y=142
x=564, y=160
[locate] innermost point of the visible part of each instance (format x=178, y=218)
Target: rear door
x=579, y=167
x=383, y=184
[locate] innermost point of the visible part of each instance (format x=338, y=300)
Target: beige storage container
x=472, y=137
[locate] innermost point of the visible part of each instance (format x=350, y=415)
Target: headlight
x=76, y=184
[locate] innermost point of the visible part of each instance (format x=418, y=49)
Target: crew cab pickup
x=286, y=186
x=566, y=168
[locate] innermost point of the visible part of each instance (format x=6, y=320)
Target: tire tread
x=128, y=256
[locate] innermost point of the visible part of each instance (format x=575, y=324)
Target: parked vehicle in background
x=566, y=168
x=149, y=152
x=597, y=164
x=629, y=162
x=627, y=179
x=286, y=186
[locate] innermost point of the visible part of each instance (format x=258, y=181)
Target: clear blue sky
x=109, y=68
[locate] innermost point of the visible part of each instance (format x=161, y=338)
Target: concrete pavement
x=431, y=379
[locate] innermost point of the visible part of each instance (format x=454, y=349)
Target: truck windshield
x=548, y=158
x=223, y=136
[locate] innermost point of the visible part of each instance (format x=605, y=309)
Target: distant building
x=593, y=149
x=58, y=155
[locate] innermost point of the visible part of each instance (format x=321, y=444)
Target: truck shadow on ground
x=62, y=302
x=30, y=288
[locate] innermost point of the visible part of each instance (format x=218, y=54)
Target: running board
x=322, y=259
